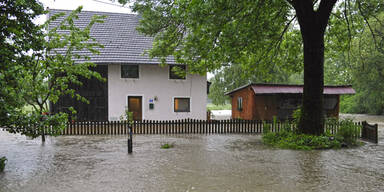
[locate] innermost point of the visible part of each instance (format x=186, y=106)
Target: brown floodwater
x=231, y=162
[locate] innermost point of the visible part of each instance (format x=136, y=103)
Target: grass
x=167, y=145
x=211, y=106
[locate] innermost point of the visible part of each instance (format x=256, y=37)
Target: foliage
x=45, y=75
x=347, y=104
x=167, y=145
x=359, y=62
x=347, y=132
x=291, y=140
x=296, y=115
x=18, y=36
x=368, y=76
x=3, y=161
x=346, y=135
x=128, y=116
x=266, y=127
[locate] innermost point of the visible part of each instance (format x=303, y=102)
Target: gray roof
x=122, y=42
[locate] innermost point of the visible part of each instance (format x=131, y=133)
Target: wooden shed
x=265, y=101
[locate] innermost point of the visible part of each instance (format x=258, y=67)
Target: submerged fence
x=191, y=126
x=370, y=132
x=185, y=126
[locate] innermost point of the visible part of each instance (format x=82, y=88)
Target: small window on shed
x=130, y=71
x=240, y=103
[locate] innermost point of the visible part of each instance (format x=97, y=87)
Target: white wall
x=154, y=81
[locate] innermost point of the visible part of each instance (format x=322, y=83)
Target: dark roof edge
x=239, y=88
x=280, y=85
x=131, y=63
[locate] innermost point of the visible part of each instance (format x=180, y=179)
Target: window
x=182, y=105
x=129, y=71
x=240, y=103
x=177, y=72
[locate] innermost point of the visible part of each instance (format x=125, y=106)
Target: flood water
x=231, y=162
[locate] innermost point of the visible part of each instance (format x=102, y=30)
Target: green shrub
x=346, y=135
x=291, y=140
x=3, y=161
x=266, y=127
x=167, y=145
x=348, y=132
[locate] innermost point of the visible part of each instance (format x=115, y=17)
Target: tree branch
x=324, y=11
x=368, y=24
x=349, y=30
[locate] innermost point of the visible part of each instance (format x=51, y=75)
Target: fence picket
x=191, y=126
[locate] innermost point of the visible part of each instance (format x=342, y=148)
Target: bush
x=346, y=135
x=291, y=140
x=3, y=161
x=348, y=132
x=167, y=145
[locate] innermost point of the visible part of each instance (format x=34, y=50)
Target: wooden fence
x=185, y=126
x=369, y=132
x=190, y=126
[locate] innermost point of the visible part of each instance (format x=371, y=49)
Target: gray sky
x=88, y=5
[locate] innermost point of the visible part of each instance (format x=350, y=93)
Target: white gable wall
x=154, y=82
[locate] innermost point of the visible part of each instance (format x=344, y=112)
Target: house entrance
x=135, y=106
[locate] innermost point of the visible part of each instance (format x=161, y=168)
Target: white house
x=134, y=81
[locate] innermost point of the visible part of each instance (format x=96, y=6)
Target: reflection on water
x=196, y=163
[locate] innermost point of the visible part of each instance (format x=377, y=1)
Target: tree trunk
x=312, y=26
x=312, y=116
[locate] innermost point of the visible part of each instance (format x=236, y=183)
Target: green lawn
x=219, y=107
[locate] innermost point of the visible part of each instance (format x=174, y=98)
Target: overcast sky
x=88, y=5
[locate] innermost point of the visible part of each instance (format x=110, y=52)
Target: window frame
x=240, y=103
x=121, y=71
x=173, y=76
x=181, y=111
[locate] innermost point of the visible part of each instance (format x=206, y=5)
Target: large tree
x=18, y=35
x=206, y=34
x=32, y=72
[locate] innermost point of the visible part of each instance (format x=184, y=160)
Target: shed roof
x=122, y=42
x=293, y=89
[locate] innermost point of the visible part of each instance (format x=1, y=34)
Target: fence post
x=376, y=133
x=130, y=140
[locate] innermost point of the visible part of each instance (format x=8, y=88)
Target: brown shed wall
x=265, y=107
x=335, y=111
x=248, y=104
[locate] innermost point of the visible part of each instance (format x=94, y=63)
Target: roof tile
x=122, y=42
